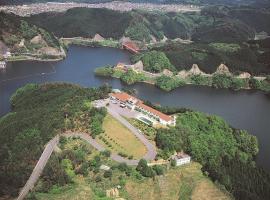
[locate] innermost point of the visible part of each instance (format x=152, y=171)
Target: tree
x=143, y=168
x=106, y=153
x=158, y=169
x=141, y=165
x=156, y=61
x=131, y=77
x=221, y=81
x=173, y=163
x=107, y=174
x=168, y=83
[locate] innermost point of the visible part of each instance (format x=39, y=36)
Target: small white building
x=3, y=64
x=181, y=158
x=7, y=55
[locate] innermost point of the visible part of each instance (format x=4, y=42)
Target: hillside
x=38, y=114
x=23, y=38
x=212, y=31
x=238, y=57
x=143, y=26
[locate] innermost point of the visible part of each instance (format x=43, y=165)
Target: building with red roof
x=148, y=112
x=130, y=46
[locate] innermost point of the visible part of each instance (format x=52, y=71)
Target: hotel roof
x=154, y=111
x=122, y=96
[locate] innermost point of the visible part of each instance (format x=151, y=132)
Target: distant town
x=32, y=9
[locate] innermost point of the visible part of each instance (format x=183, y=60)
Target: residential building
x=181, y=158
x=147, y=114
x=3, y=64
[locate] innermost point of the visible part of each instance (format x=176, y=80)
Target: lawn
x=181, y=183
x=119, y=139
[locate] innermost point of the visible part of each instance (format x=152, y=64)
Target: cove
x=247, y=110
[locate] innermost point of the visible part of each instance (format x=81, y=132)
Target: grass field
x=181, y=183
x=119, y=139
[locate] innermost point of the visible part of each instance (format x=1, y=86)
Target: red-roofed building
x=148, y=112
x=130, y=46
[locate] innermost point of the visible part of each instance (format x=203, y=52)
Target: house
x=7, y=55
x=147, y=114
x=3, y=64
x=181, y=158
x=137, y=67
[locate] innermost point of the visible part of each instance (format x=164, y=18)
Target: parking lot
x=115, y=106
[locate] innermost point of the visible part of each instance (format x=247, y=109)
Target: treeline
x=227, y=154
x=39, y=112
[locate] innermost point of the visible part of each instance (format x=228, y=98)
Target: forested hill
x=235, y=23
x=220, y=27
x=23, y=37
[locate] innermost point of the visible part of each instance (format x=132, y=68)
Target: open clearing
x=80, y=190
x=182, y=183
x=119, y=139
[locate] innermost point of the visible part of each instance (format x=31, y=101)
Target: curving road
x=151, y=150
x=50, y=146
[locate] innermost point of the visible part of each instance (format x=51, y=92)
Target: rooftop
x=180, y=155
x=122, y=96
x=156, y=112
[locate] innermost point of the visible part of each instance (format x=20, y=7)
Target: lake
x=249, y=110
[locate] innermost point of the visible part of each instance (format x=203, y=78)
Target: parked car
x=122, y=105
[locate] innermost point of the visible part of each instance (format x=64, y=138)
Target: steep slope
x=22, y=37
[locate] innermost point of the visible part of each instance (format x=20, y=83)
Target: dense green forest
x=227, y=154
x=238, y=57
x=234, y=23
x=220, y=34
x=39, y=112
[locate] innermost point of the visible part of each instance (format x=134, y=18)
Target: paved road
x=39, y=167
x=150, y=155
x=151, y=150
x=99, y=147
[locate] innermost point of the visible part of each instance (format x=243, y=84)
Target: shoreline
x=110, y=43
x=185, y=82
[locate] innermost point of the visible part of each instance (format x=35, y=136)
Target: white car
x=122, y=105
